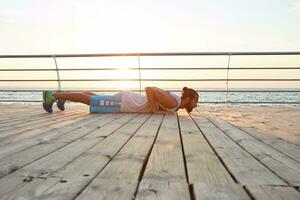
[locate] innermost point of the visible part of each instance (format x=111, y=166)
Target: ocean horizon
x=254, y=95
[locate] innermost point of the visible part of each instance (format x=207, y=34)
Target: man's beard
x=189, y=108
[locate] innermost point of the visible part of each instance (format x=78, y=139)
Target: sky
x=85, y=26
x=122, y=26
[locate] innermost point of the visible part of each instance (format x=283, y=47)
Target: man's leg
x=74, y=96
x=90, y=93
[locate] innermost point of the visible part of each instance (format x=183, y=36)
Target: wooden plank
x=273, y=123
x=265, y=125
x=77, y=174
x=47, y=136
x=24, y=133
x=245, y=168
x=110, y=189
x=289, y=149
x=203, y=165
x=261, y=192
x=224, y=192
x=82, y=171
x=130, y=160
x=25, y=191
x=279, y=163
x=62, y=156
x=34, y=119
x=166, y=160
x=28, y=122
x=47, y=165
x=14, y=113
x=165, y=172
x=280, y=126
x=273, y=117
x=128, y=163
x=7, y=108
x=18, y=115
x=163, y=189
x=50, y=144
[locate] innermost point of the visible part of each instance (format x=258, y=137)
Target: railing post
x=227, y=77
x=57, y=73
x=139, y=63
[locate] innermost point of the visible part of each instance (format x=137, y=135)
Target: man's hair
x=189, y=92
x=192, y=94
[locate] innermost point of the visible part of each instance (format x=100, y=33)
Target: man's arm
x=151, y=97
x=157, y=96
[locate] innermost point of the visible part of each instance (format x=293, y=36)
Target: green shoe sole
x=48, y=98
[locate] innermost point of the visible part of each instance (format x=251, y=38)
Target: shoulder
x=152, y=89
x=163, y=97
x=155, y=89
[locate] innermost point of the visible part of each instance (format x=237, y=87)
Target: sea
x=250, y=97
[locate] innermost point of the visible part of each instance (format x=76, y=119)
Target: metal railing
x=140, y=79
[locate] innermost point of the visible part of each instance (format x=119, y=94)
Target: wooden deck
x=213, y=153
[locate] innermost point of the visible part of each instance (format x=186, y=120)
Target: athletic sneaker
x=48, y=101
x=61, y=104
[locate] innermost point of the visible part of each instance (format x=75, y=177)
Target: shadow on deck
x=213, y=153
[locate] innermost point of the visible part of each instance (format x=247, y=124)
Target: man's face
x=192, y=103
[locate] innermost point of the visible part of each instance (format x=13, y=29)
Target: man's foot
x=61, y=104
x=48, y=101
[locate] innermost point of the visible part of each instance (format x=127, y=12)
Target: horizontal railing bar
x=8, y=100
x=252, y=102
x=148, y=68
x=263, y=102
x=204, y=102
x=137, y=90
x=49, y=80
x=160, y=68
x=153, y=54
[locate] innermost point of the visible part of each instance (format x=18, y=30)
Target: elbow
x=149, y=94
x=148, y=90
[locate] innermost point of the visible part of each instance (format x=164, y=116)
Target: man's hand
x=163, y=112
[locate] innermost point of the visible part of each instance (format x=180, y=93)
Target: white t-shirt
x=134, y=102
